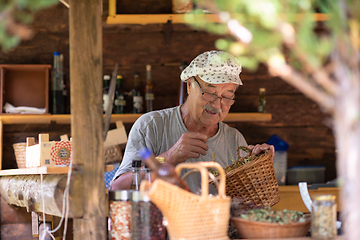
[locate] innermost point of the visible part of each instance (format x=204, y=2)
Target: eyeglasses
x=212, y=97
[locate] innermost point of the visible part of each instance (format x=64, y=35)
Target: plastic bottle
x=280, y=160
x=162, y=171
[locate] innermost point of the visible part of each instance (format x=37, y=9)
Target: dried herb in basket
x=239, y=162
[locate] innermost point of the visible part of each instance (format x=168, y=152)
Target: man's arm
x=122, y=182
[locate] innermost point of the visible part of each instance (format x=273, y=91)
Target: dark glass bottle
x=149, y=95
x=119, y=102
x=136, y=95
x=162, y=171
x=57, y=86
x=106, y=92
x=262, y=100
x=136, y=176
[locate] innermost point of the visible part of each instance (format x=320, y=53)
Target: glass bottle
x=162, y=171
x=136, y=95
x=149, y=95
x=323, y=217
x=136, y=175
x=262, y=100
x=119, y=102
x=106, y=92
x=57, y=86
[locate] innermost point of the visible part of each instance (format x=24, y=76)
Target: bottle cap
x=144, y=153
x=107, y=77
x=136, y=163
x=160, y=159
x=118, y=76
x=121, y=195
x=56, y=53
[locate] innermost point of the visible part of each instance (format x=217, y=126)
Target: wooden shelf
x=144, y=19
x=125, y=118
x=154, y=18
x=42, y=170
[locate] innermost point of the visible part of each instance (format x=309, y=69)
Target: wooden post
x=85, y=30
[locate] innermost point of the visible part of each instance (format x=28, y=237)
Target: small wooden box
x=25, y=85
x=46, y=153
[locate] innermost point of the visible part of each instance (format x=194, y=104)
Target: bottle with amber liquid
x=149, y=95
x=136, y=95
x=162, y=171
x=262, y=100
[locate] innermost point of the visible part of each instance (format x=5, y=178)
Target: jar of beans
x=120, y=214
x=323, y=217
x=146, y=219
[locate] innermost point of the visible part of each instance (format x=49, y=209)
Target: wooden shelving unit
x=125, y=118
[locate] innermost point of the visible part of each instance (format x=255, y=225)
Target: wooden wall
x=295, y=118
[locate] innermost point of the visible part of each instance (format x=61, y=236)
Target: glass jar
x=146, y=219
x=323, y=217
x=120, y=214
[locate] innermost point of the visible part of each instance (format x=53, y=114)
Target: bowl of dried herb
x=267, y=223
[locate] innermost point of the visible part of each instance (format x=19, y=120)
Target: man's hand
x=189, y=145
x=258, y=148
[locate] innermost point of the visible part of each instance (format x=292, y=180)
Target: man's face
x=205, y=111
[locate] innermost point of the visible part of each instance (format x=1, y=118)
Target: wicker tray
x=254, y=182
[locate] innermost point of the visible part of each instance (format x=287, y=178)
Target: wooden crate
x=24, y=85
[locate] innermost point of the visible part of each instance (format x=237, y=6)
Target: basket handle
x=202, y=167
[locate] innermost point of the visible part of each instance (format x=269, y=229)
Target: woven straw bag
x=20, y=154
x=254, y=183
x=191, y=216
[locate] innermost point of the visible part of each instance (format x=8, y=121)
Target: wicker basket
x=191, y=216
x=254, y=182
x=252, y=229
x=20, y=154
x=113, y=154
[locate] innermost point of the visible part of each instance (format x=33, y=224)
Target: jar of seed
x=120, y=214
x=323, y=217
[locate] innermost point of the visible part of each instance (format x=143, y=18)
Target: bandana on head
x=214, y=67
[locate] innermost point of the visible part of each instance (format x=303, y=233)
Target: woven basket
x=113, y=154
x=20, y=154
x=252, y=229
x=254, y=182
x=191, y=216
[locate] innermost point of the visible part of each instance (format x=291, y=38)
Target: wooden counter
x=290, y=197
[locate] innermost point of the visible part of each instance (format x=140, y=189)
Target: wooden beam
x=85, y=30
x=28, y=190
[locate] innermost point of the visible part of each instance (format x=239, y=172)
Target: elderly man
x=193, y=131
